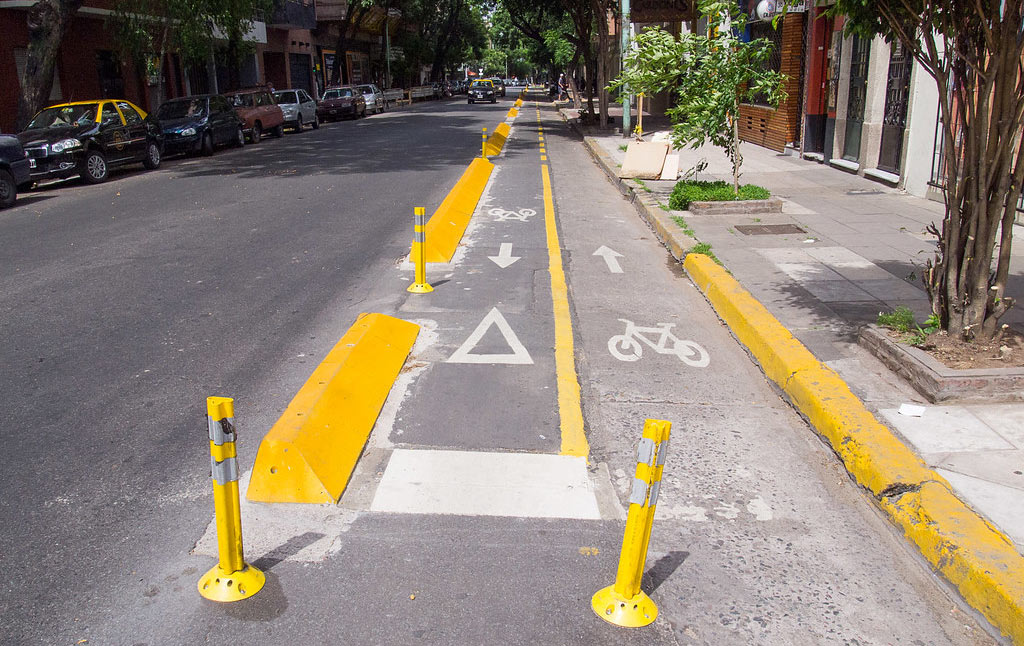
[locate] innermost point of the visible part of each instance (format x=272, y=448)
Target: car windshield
x=61, y=116
x=482, y=84
x=342, y=93
x=366, y=89
x=285, y=97
x=182, y=108
x=241, y=100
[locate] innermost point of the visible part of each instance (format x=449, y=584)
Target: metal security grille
x=773, y=36
x=857, y=98
x=894, y=120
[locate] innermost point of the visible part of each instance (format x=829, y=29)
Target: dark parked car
x=195, y=124
x=88, y=138
x=14, y=170
x=343, y=101
x=499, y=86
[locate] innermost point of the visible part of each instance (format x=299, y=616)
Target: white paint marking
x=470, y=483
x=610, y=256
x=518, y=356
x=627, y=346
x=503, y=215
x=504, y=257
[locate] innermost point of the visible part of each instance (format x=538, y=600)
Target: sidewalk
x=861, y=251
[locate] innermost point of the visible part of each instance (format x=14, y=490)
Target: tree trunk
x=602, y=67
x=737, y=158
x=48, y=22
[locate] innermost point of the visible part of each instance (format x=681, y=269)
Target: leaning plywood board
x=644, y=160
x=670, y=170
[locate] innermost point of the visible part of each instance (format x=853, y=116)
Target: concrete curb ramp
x=965, y=548
x=310, y=452
x=445, y=228
x=497, y=139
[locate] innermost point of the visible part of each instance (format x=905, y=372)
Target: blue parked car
x=196, y=124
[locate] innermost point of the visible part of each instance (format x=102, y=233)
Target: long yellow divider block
x=497, y=140
x=512, y=113
x=519, y=103
x=445, y=228
x=310, y=452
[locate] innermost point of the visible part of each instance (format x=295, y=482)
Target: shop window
x=774, y=36
x=109, y=69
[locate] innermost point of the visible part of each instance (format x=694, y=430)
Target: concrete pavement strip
x=964, y=547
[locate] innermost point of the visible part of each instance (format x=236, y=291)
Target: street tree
x=147, y=30
x=974, y=49
x=354, y=13
x=710, y=75
x=48, y=23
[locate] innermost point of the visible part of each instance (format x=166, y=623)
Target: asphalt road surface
x=467, y=522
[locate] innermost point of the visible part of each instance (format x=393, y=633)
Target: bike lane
x=759, y=537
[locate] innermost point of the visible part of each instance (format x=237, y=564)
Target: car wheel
x=279, y=131
x=94, y=167
x=8, y=191
x=316, y=122
x=239, y=137
x=207, y=147
x=494, y=100
x=298, y=123
x=469, y=101
x=362, y=115
x=152, y=160
x=257, y=133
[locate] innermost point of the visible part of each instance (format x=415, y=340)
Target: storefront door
x=895, y=120
x=857, y=99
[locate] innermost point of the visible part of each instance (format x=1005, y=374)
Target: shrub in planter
x=687, y=191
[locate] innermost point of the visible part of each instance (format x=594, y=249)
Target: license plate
x=31, y=163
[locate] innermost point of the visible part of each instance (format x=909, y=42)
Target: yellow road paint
x=965, y=548
x=445, y=228
x=543, y=157
x=310, y=452
x=570, y=412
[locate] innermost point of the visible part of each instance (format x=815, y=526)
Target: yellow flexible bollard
x=419, y=255
x=483, y=145
x=624, y=603
x=232, y=579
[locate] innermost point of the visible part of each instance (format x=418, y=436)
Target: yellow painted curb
x=497, y=139
x=971, y=553
x=982, y=563
x=446, y=226
x=310, y=452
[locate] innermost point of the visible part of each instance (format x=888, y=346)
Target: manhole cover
x=768, y=229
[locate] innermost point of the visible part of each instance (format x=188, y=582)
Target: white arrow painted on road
x=504, y=257
x=610, y=256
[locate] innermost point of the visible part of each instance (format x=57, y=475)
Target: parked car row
x=89, y=138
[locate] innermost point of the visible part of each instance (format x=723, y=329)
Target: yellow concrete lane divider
x=512, y=113
x=446, y=226
x=497, y=140
x=519, y=103
x=310, y=452
x=961, y=545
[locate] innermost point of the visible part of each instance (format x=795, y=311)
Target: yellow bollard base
x=216, y=585
x=621, y=611
x=420, y=288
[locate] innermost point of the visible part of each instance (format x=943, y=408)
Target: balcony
x=293, y=14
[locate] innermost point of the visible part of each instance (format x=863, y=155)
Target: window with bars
x=774, y=36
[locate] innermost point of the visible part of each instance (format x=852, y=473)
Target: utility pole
x=626, y=120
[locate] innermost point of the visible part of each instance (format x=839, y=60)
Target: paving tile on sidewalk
x=1006, y=419
x=1000, y=467
x=1004, y=506
x=946, y=429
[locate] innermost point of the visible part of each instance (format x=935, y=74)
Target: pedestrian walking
x=563, y=90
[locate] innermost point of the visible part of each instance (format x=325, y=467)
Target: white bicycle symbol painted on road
x=627, y=346
x=501, y=215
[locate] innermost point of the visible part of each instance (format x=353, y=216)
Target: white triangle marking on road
x=518, y=356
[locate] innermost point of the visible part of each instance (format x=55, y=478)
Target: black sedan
x=87, y=138
x=195, y=124
x=14, y=170
x=481, y=90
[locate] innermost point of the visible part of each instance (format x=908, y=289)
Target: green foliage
x=704, y=249
x=687, y=191
x=709, y=76
x=900, y=319
x=683, y=224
